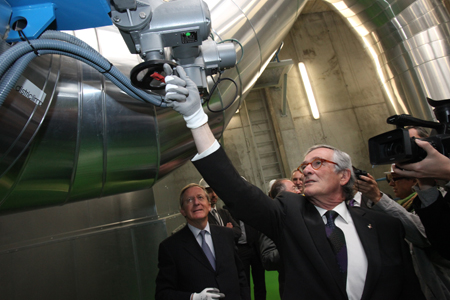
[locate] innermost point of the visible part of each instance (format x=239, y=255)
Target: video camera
x=397, y=147
x=358, y=173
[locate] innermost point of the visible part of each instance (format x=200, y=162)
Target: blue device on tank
x=38, y=15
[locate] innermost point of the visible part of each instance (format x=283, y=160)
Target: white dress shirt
x=357, y=260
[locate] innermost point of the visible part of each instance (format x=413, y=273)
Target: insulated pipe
x=68, y=134
x=410, y=46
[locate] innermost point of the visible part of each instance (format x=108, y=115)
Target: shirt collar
x=196, y=231
x=341, y=209
x=357, y=197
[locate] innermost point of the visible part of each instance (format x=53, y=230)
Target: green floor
x=271, y=286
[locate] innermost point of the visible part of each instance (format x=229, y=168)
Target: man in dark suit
x=200, y=261
x=248, y=250
x=246, y=239
x=220, y=216
x=329, y=251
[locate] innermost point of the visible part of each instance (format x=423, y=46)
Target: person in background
x=220, y=216
x=270, y=256
x=248, y=250
x=432, y=206
x=297, y=179
x=199, y=262
x=432, y=269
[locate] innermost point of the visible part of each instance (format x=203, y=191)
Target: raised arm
x=182, y=95
x=246, y=201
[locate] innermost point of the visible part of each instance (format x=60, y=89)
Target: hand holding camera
x=435, y=165
x=368, y=187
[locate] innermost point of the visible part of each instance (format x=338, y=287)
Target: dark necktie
x=207, y=250
x=217, y=216
x=337, y=241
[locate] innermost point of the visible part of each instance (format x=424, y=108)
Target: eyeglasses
x=315, y=164
x=394, y=179
x=200, y=198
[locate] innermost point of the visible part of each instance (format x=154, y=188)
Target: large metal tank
x=409, y=44
x=88, y=139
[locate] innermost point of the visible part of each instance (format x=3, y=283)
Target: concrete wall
x=351, y=104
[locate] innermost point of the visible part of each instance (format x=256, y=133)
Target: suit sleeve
x=415, y=231
x=236, y=227
x=270, y=257
x=167, y=278
x=244, y=200
x=434, y=217
x=411, y=285
x=243, y=283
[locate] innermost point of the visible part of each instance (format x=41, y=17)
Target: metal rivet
x=142, y=15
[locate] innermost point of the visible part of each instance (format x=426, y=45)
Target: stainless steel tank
x=88, y=139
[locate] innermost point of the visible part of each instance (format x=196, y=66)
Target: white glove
x=208, y=294
x=182, y=95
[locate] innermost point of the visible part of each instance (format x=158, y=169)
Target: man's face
x=403, y=186
x=289, y=186
x=413, y=133
x=297, y=179
x=212, y=196
x=323, y=181
x=195, y=204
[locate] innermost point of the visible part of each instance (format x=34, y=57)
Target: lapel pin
x=370, y=226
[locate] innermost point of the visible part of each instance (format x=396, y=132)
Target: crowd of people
x=329, y=234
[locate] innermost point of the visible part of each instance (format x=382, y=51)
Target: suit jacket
x=184, y=268
x=226, y=218
x=297, y=228
x=435, y=220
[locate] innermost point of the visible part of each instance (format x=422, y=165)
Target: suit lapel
x=316, y=228
x=212, y=219
x=192, y=247
x=367, y=232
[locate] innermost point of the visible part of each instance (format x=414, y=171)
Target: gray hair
x=183, y=190
x=293, y=171
x=344, y=162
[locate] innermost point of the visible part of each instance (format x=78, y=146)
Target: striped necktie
x=207, y=250
x=217, y=216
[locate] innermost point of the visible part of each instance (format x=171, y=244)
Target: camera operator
x=432, y=269
x=433, y=208
x=435, y=165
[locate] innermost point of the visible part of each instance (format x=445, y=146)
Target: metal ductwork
x=409, y=43
x=88, y=139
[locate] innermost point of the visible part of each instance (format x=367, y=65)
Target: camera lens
x=393, y=149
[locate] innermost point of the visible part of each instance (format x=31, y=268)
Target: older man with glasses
x=329, y=251
x=200, y=261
